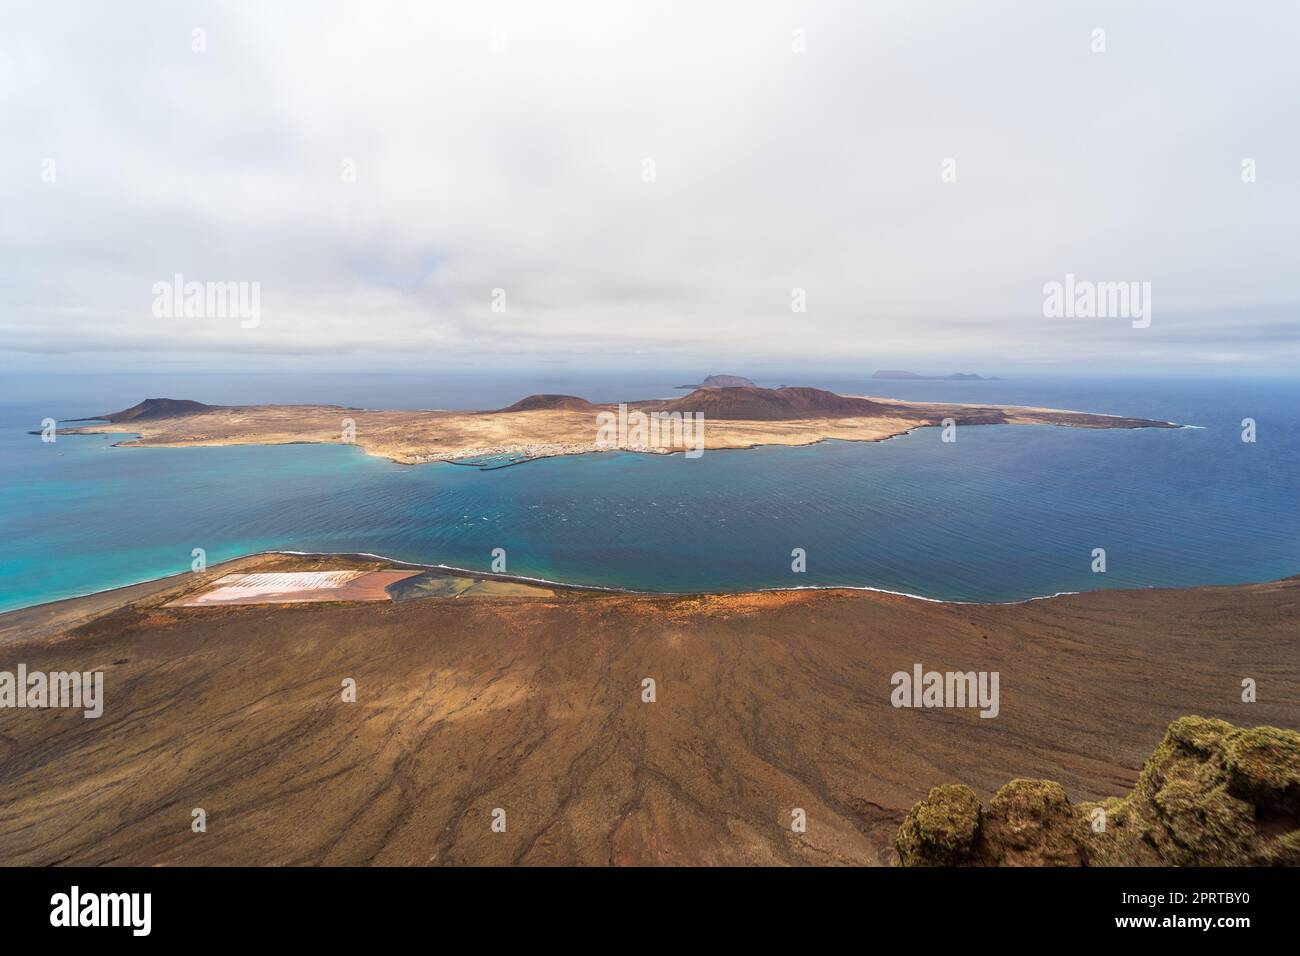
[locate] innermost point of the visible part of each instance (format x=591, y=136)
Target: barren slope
x=765, y=702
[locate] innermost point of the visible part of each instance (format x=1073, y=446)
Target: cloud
x=507, y=146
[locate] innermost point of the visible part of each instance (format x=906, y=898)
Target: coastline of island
x=543, y=426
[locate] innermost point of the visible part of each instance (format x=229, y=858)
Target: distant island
x=722, y=381
x=543, y=426
x=913, y=376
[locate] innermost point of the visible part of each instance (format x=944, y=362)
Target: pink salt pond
x=295, y=587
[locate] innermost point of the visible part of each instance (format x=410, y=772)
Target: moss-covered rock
x=941, y=829
x=1210, y=795
x=1031, y=823
x=1256, y=773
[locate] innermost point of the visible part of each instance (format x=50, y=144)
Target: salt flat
x=290, y=587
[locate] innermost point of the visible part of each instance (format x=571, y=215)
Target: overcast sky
x=505, y=146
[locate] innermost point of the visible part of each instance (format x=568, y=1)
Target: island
x=899, y=375
x=722, y=381
x=542, y=426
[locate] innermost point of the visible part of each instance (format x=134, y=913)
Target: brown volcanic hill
x=1210, y=795
x=773, y=404
x=533, y=403
x=158, y=408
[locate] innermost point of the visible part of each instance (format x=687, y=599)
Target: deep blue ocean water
x=1005, y=513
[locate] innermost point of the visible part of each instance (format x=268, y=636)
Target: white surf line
x=917, y=597
x=617, y=590
x=883, y=400
x=471, y=572
x=491, y=576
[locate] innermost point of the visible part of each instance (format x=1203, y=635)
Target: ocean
x=1005, y=513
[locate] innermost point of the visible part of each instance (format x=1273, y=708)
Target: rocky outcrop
x=1210, y=795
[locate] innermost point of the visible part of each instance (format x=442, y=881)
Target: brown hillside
x=157, y=408
x=534, y=403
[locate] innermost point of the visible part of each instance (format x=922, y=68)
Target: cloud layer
x=508, y=146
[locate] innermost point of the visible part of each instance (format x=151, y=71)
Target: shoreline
x=139, y=440
x=528, y=454
x=160, y=582
x=466, y=462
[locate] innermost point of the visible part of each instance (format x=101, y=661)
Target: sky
x=414, y=185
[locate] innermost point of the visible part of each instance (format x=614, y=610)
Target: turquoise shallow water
x=1006, y=513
